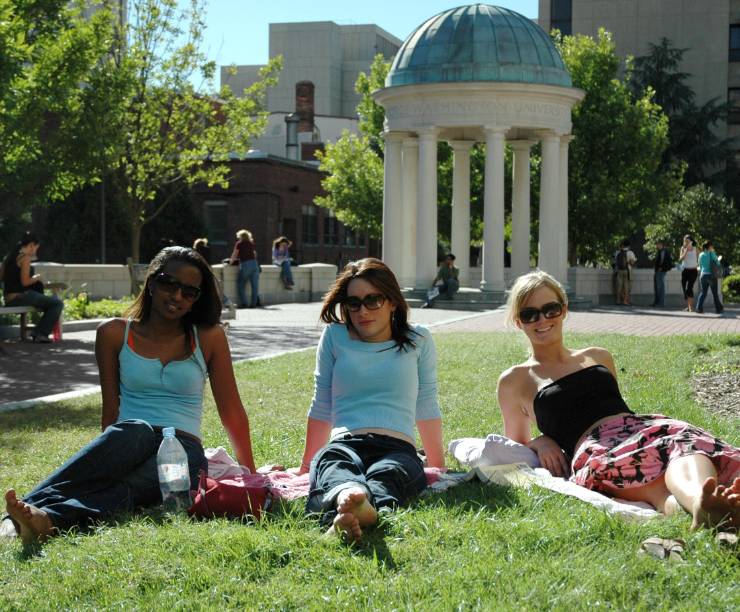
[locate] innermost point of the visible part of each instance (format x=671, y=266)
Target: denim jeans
x=659, y=288
x=51, y=305
x=248, y=271
x=386, y=467
x=286, y=274
x=115, y=472
x=707, y=281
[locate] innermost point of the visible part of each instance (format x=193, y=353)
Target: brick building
x=272, y=196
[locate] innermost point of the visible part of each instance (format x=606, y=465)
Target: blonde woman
x=589, y=432
x=245, y=255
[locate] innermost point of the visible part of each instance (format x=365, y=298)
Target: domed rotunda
x=475, y=73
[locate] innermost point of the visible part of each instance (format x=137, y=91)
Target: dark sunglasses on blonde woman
x=551, y=310
x=372, y=301
x=169, y=284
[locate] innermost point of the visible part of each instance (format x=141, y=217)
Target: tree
x=175, y=133
x=616, y=180
x=705, y=215
x=692, y=128
x=56, y=75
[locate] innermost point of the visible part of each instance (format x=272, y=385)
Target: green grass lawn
x=474, y=547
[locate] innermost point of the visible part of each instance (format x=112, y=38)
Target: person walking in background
x=663, y=263
x=201, y=247
x=24, y=288
x=624, y=261
x=281, y=258
x=445, y=282
x=245, y=255
x=689, y=259
x=710, y=272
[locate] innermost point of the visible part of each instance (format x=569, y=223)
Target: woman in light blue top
x=153, y=369
x=707, y=279
x=375, y=378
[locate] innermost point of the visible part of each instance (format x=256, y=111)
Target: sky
x=238, y=30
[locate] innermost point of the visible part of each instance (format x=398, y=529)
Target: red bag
x=230, y=498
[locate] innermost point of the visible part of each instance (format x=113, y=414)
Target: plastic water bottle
x=174, y=475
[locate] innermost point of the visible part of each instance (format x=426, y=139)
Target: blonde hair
x=243, y=234
x=526, y=285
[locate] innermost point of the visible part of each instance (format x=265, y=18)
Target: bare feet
x=718, y=506
x=35, y=524
x=354, y=501
x=346, y=527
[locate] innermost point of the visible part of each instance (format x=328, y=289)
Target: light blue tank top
x=164, y=396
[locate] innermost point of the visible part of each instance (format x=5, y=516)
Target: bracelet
x=305, y=466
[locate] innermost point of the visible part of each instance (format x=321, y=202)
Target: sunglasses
x=169, y=284
x=372, y=301
x=550, y=310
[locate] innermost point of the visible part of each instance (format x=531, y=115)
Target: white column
x=460, y=233
x=493, y=212
x=426, y=214
x=520, y=215
x=563, y=184
x=392, y=192
x=549, y=246
x=410, y=165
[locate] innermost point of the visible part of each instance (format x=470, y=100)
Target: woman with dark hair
x=708, y=262
x=689, y=259
x=24, y=288
x=281, y=258
x=375, y=375
x=589, y=432
x=153, y=367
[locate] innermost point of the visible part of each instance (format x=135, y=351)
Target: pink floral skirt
x=633, y=450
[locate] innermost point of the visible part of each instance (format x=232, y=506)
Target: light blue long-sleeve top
x=705, y=259
x=360, y=385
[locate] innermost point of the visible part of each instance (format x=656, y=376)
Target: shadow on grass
x=59, y=416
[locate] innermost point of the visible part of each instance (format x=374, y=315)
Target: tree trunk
x=136, y=240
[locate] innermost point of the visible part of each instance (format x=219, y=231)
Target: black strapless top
x=567, y=407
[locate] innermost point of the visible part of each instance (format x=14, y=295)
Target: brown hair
x=379, y=276
x=279, y=239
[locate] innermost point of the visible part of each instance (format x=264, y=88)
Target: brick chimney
x=304, y=105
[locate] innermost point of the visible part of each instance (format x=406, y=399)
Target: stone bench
x=23, y=312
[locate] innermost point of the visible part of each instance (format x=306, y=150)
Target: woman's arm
x=108, y=343
x=225, y=393
x=234, y=257
x=25, y=265
x=317, y=435
x=430, y=431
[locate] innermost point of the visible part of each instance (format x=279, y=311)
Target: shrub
x=80, y=307
x=731, y=288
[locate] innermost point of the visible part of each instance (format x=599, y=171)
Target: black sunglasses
x=169, y=284
x=550, y=310
x=372, y=301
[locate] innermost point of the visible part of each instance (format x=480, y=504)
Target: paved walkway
x=29, y=371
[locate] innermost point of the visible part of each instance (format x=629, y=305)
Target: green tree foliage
x=693, y=128
x=616, y=182
x=60, y=90
x=175, y=133
x=702, y=213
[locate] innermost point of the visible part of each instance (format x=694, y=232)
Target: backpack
x=622, y=260
x=716, y=268
x=234, y=498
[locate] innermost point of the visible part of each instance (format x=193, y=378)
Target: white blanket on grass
x=499, y=450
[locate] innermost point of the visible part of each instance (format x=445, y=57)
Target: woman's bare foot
x=718, y=506
x=354, y=501
x=346, y=527
x=35, y=524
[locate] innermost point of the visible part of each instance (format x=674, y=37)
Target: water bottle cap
x=168, y=432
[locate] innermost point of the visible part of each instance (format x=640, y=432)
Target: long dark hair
x=27, y=238
x=379, y=276
x=206, y=309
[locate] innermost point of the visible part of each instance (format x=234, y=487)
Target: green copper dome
x=478, y=42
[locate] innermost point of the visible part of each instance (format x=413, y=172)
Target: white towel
x=493, y=450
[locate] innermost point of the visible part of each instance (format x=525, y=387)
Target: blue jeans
x=707, y=281
x=248, y=271
x=51, y=305
x=286, y=274
x=115, y=472
x=659, y=288
x=386, y=467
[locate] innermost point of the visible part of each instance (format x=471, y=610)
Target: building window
x=331, y=229
x=735, y=43
x=353, y=238
x=310, y=225
x=561, y=16
x=216, y=221
x=733, y=99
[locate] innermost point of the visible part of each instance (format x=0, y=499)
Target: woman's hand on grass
x=551, y=456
